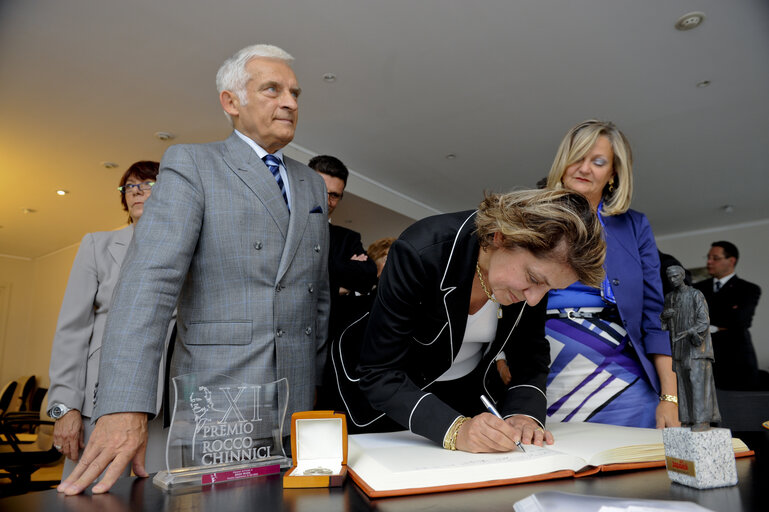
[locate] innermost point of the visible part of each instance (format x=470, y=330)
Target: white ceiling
x=497, y=83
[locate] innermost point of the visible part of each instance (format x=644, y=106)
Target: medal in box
x=319, y=449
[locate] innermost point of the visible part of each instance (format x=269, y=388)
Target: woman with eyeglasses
x=610, y=358
x=76, y=345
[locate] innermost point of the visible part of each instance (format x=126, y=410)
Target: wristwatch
x=58, y=410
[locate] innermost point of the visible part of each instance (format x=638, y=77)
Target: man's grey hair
x=233, y=77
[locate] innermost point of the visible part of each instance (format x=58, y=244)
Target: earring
x=611, y=185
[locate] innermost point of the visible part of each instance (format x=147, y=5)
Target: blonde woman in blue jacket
x=610, y=358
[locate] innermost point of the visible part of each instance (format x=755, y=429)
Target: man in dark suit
x=351, y=274
x=349, y=269
x=732, y=302
x=234, y=234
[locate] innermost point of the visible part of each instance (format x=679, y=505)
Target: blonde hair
x=578, y=142
x=553, y=224
x=380, y=248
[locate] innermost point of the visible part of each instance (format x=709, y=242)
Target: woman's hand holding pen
x=531, y=432
x=485, y=433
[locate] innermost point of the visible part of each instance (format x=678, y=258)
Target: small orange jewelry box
x=319, y=450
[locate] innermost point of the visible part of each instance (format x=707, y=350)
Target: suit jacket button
x=311, y=288
x=279, y=333
x=258, y=245
x=317, y=248
x=615, y=282
x=278, y=287
x=308, y=330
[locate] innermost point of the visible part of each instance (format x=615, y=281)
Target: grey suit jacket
x=251, y=280
x=74, y=369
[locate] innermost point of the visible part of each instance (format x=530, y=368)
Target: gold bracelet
x=669, y=398
x=449, y=432
x=450, y=440
x=453, y=444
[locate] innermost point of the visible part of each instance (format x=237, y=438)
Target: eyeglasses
x=334, y=196
x=136, y=187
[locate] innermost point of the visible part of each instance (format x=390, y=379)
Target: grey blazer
x=251, y=280
x=74, y=369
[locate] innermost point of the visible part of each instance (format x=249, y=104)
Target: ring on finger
x=58, y=447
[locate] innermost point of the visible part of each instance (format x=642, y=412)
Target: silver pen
x=493, y=410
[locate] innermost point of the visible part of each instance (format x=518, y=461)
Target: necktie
x=717, y=285
x=273, y=164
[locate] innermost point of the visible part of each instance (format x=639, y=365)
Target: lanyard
x=607, y=293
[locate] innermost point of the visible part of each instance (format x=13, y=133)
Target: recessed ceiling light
x=109, y=165
x=28, y=210
x=164, y=135
x=451, y=156
x=690, y=20
x=329, y=77
x=727, y=208
x=62, y=192
x=703, y=84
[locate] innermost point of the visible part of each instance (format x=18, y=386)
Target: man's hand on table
x=117, y=440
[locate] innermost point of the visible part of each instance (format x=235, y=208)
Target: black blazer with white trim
x=417, y=324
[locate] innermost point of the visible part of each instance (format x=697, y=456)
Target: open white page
x=606, y=444
x=402, y=460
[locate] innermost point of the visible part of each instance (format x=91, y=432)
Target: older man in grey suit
x=238, y=235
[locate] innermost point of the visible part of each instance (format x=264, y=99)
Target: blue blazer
x=633, y=268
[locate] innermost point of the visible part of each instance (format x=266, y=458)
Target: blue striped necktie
x=273, y=164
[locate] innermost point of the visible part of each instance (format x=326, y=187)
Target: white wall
x=34, y=292
x=752, y=240
x=16, y=277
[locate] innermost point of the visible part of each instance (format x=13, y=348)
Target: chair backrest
x=27, y=386
x=44, y=432
x=6, y=396
x=36, y=402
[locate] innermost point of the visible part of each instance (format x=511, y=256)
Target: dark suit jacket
x=418, y=321
x=732, y=309
x=633, y=268
x=356, y=276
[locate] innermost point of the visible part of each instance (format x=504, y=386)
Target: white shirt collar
x=724, y=279
x=260, y=151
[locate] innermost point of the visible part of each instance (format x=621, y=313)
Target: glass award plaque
x=223, y=429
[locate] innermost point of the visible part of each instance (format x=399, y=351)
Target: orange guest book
x=401, y=463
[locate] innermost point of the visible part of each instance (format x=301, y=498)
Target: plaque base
x=702, y=460
x=208, y=475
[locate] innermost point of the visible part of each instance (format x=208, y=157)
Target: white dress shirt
x=261, y=153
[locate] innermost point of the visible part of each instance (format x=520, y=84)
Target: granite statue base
x=702, y=460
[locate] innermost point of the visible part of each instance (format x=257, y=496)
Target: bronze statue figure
x=685, y=315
